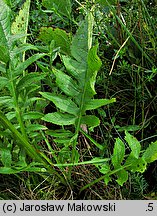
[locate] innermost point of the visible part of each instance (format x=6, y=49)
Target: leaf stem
x=102, y=177
x=32, y=152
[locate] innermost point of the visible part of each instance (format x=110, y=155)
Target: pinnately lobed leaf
x=90, y=120
x=96, y=103
x=134, y=144
x=122, y=177
x=74, y=68
x=60, y=37
x=82, y=41
x=59, y=118
x=150, y=154
x=62, y=102
x=32, y=115
x=77, y=85
x=6, y=156
x=3, y=82
x=62, y=7
x=23, y=65
x=66, y=83
x=29, y=79
x=118, y=153
x=135, y=165
x=93, y=64
x=2, y=67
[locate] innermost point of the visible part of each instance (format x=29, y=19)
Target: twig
x=117, y=55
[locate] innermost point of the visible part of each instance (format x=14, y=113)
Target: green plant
x=69, y=67
x=19, y=93
x=21, y=90
x=62, y=8
x=73, y=103
x=78, y=88
x=122, y=163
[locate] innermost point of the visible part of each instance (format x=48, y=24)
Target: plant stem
x=16, y=106
x=32, y=152
x=102, y=177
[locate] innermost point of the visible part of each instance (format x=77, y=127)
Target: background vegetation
x=78, y=99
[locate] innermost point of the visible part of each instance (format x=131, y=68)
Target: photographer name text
x=72, y=207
